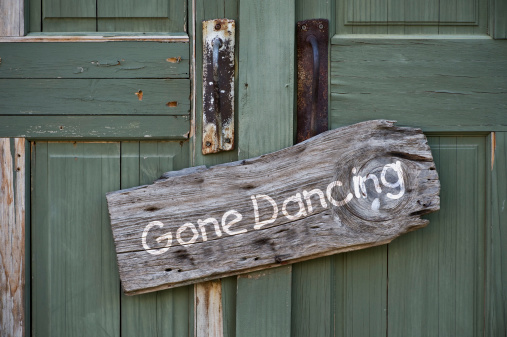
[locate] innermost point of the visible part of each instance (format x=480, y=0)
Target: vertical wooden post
x=12, y=18
x=208, y=309
x=496, y=240
x=12, y=236
x=207, y=295
x=266, y=124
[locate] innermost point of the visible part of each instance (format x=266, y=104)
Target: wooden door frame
x=14, y=210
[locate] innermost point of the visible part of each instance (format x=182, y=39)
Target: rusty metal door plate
x=218, y=85
x=312, y=39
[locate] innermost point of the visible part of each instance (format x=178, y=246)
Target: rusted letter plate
x=345, y=189
x=312, y=38
x=218, y=86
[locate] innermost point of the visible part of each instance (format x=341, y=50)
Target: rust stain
x=139, y=95
x=174, y=59
x=312, y=88
x=493, y=148
x=6, y=161
x=172, y=104
x=218, y=86
x=209, y=139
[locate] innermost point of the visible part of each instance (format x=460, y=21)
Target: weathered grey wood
x=208, y=309
x=314, y=164
x=12, y=18
x=12, y=237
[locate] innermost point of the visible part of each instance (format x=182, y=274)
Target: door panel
x=436, y=274
x=74, y=274
x=168, y=312
x=76, y=289
x=426, y=283
x=107, y=16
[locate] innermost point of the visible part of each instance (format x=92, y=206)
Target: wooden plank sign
x=345, y=189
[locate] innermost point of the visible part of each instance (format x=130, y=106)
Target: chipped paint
x=139, y=95
x=172, y=104
x=174, y=59
x=218, y=85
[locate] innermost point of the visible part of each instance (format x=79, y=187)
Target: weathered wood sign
x=345, y=189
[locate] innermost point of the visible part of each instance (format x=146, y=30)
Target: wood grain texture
x=98, y=37
x=12, y=237
x=68, y=15
x=265, y=124
x=12, y=18
x=498, y=19
x=97, y=97
x=86, y=127
x=145, y=16
x=360, y=283
x=411, y=17
x=436, y=275
x=496, y=270
x=438, y=85
x=75, y=289
x=208, y=309
x=260, y=57
x=91, y=16
x=94, y=60
x=164, y=313
x=183, y=197
x=264, y=314
x=312, y=298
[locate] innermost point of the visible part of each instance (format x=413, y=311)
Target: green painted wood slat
x=412, y=17
x=265, y=111
x=438, y=85
x=264, y=302
x=361, y=288
x=102, y=15
x=496, y=247
x=208, y=10
x=95, y=97
x=498, y=19
x=436, y=274
x=68, y=15
x=163, y=313
x=142, y=16
x=75, y=277
x=93, y=127
x=94, y=60
x=313, y=298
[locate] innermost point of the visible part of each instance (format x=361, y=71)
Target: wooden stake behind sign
x=345, y=189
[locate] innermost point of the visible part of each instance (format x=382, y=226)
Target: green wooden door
x=88, y=127
x=75, y=282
